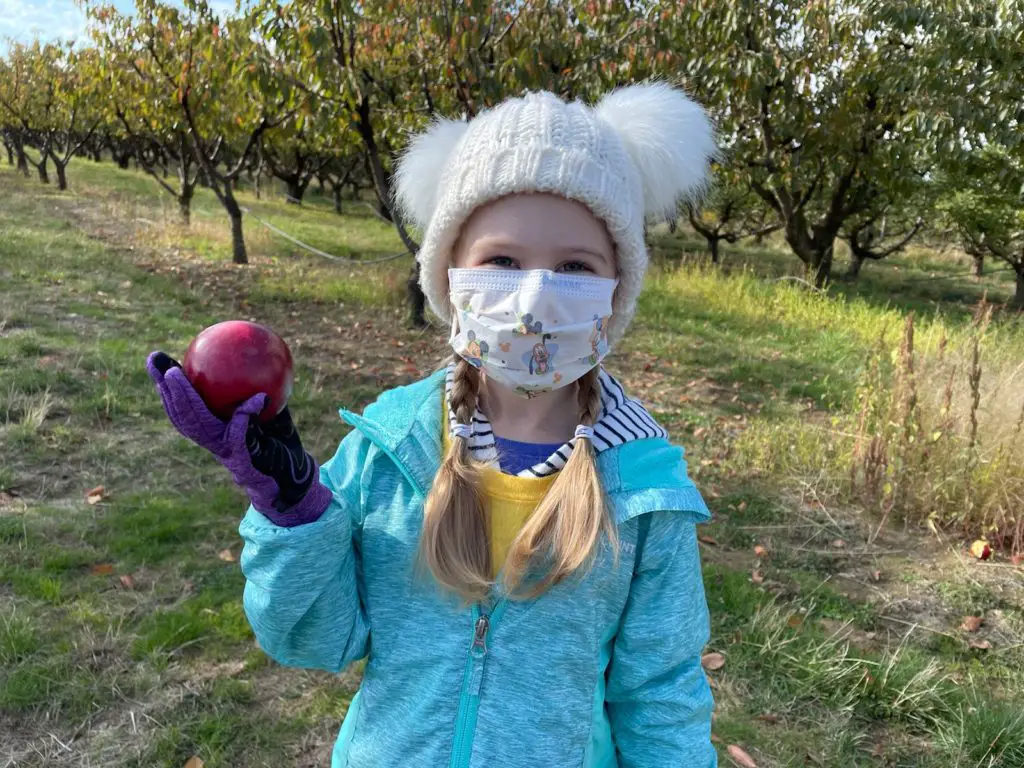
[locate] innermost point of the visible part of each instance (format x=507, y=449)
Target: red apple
x=230, y=362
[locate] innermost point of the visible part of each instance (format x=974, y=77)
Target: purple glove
x=265, y=459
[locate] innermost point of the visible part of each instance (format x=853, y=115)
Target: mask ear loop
x=455, y=328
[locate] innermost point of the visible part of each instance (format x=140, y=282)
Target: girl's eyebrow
x=588, y=251
x=496, y=242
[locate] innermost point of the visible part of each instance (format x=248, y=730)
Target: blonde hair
x=561, y=536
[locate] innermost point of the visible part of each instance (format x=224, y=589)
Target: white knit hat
x=631, y=157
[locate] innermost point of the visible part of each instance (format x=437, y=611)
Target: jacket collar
x=639, y=476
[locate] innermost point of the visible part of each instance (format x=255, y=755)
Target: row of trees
x=869, y=121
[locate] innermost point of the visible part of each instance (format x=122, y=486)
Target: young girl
x=510, y=543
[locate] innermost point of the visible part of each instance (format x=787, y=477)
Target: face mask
x=532, y=331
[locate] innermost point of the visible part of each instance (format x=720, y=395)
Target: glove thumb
x=239, y=424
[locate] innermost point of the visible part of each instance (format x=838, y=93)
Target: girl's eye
x=575, y=266
x=501, y=262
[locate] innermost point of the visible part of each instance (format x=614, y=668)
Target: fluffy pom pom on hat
x=630, y=158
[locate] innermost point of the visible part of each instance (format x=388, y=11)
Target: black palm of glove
x=272, y=465
x=276, y=450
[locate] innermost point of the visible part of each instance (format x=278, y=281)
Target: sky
x=25, y=20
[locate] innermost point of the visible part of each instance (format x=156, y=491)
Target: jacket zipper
x=469, y=701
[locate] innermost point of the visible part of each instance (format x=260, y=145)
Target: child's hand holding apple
x=234, y=371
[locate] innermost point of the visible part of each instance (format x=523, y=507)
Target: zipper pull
x=480, y=635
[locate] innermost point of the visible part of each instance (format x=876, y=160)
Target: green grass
x=127, y=605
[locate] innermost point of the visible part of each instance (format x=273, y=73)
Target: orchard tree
x=811, y=96
x=301, y=147
x=391, y=65
x=888, y=220
x=74, y=114
x=340, y=171
x=729, y=213
x=985, y=203
x=144, y=122
x=50, y=94
x=27, y=96
x=982, y=174
x=225, y=82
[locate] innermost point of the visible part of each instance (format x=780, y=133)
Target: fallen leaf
x=1017, y=559
x=126, y=581
x=767, y=718
x=742, y=507
x=708, y=540
x=96, y=495
x=795, y=620
x=194, y=762
x=760, y=551
x=876, y=575
x=980, y=645
x=740, y=757
x=757, y=577
x=226, y=556
x=981, y=550
x=838, y=543
x=971, y=623
x=102, y=569
x=699, y=432
x=712, y=661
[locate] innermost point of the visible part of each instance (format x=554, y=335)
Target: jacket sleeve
x=659, y=701
x=304, y=594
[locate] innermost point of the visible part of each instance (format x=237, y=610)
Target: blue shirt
x=515, y=456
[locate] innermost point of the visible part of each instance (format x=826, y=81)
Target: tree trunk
x=62, y=179
x=821, y=268
x=713, y=248
x=185, y=205
x=22, y=160
x=417, y=301
x=44, y=175
x=336, y=194
x=673, y=225
x=1018, y=295
x=10, y=153
x=238, y=254
x=978, y=265
x=856, y=262
x=382, y=186
x=296, y=190
x=124, y=160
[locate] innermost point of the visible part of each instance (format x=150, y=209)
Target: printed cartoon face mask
x=531, y=330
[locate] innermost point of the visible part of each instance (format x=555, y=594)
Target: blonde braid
x=454, y=543
x=564, y=532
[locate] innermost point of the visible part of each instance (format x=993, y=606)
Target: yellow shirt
x=509, y=501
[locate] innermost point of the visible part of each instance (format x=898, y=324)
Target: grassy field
x=122, y=639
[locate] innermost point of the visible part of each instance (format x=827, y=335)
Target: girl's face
x=536, y=231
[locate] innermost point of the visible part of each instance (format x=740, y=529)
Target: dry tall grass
x=936, y=437
x=935, y=441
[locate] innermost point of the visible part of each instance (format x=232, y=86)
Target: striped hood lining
x=621, y=420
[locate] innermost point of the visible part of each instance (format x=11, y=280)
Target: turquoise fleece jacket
x=601, y=671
